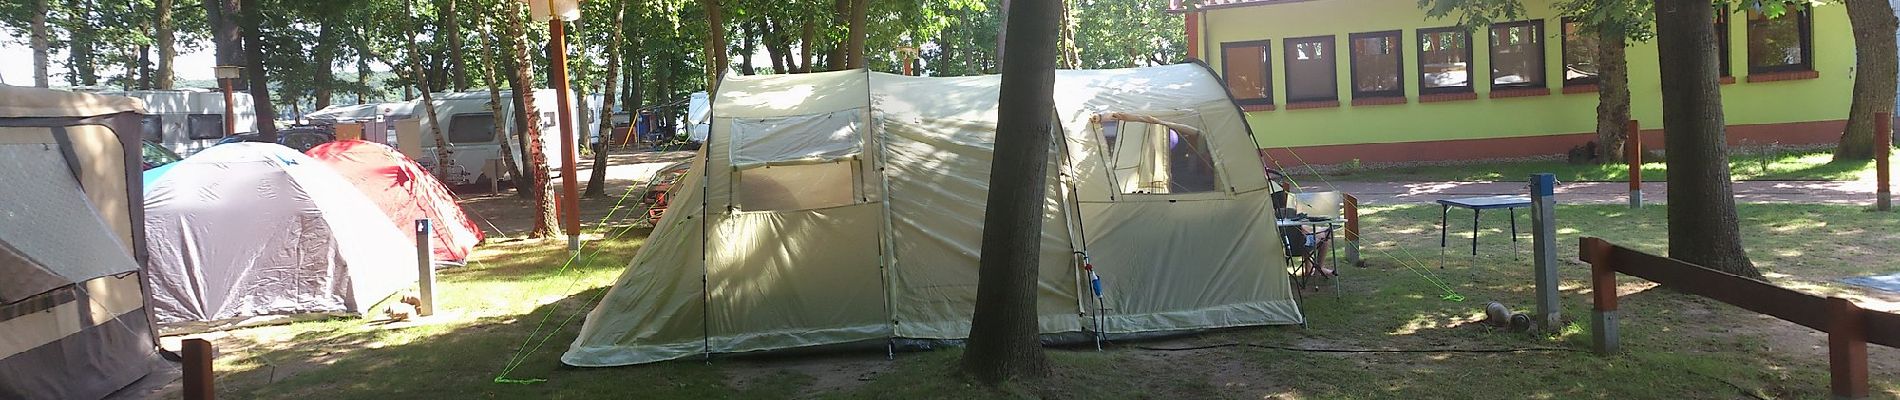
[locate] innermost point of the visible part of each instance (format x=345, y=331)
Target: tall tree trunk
x=324, y=65
x=836, y=58
x=855, y=37
x=806, y=35
x=1071, y=58
x=747, y=45
x=1876, y=62
x=538, y=175
x=222, y=16
x=597, y=177
x=167, y=44
x=773, y=51
x=260, y=79
x=42, y=53
x=520, y=124
x=458, y=63
x=81, y=49
x=715, y=44
x=1704, y=228
x=1002, y=34
x=488, y=50
x=946, y=51
x=362, y=73
x=1003, y=342
x=444, y=155
x=1613, y=94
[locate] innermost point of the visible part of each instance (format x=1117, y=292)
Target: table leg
x=1474, y=230
x=1513, y=225
x=1444, y=219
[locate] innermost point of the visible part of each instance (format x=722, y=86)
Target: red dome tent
x=406, y=192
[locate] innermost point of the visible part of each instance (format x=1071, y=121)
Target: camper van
x=468, y=126
x=186, y=121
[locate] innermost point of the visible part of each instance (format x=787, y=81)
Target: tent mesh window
x=1159, y=159
x=797, y=163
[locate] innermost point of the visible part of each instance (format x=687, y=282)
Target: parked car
x=156, y=155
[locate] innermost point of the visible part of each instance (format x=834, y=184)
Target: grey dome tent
x=73, y=319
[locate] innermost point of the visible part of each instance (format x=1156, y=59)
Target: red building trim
x=1796, y=133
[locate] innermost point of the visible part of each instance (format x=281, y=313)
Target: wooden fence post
x=1883, y=168
x=198, y=377
x=1846, y=350
x=1352, y=231
x=1603, y=332
x=1544, y=247
x=1633, y=154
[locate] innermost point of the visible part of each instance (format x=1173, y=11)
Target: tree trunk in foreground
x=1613, y=94
x=715, y=45
x=254, y=69
x=167, y=46
x=536, y=180
x=1876, y=63
x=855, y=31
x=1703, y=227
x=1003, y=334
x=597, y=178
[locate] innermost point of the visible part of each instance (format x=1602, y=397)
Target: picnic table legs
x=1444, y=217
x=1474, y=230
x=1513, y=231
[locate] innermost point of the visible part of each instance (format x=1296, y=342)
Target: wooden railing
x=1849, y=328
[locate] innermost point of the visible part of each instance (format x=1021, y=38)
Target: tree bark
x=444, y=155
x=597, y=177
x=837, y=58
x=42, y=52
x=323, y=84
x=715, y=44
x=222, y=16
x=1002, y=34
x=1004, y=342
x=1876, y=62
x=805, y=43
x=1613, y=94
x=167, y=44
x=252, y=22
x=458, y=63
x=538, y=176
x=1703, y=228
x=1071, y=58
x=748, y=44
x=774, y=45
x=495, y=111
x=80, y=49
x=855, y=39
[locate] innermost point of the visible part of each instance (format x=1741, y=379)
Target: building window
x=1517, y=54
x=1580, y=54
x=1780, y=44
x=1248, y=69
x=1444, y=60
x=1311, y=71
x=1377, y=65
x=1721, y=39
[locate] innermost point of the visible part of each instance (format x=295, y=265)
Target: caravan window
x=204, y=126
x=471, y=128
x=1153, y=158
x=152, y=129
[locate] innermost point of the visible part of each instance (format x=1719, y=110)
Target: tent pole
x=887, y=252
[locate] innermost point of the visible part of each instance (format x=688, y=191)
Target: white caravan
x=468, y=126
x=187, y=121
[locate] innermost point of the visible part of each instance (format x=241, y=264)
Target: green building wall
x=1787, y=112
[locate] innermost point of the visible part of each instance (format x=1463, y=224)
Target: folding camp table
x=1477, y=206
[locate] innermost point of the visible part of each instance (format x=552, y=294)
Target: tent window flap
x=1150, y=156
x=827, y=136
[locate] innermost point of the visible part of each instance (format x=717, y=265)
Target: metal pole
x=1544, y=244
x=230, y=110
x=570, y=207
x=198, y=376
x=1633, y=154
x=1883, y=170
x=425, y=270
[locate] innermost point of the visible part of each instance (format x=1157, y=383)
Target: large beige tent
x=847, y=206
x=73, y=320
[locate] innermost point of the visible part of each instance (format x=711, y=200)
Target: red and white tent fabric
x=406, y=192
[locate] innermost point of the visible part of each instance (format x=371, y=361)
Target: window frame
x=1537, y=28
x=1287, y=45
x=192, y=125
x=1470, y=62
x=1563, y=47
x=448, y=132
x=1398, y=63
x=1723, y=42
x=1266, y=66
x=1804, y=18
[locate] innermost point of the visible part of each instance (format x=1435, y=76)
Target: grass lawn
x=1676, y=346
x=1752, y=164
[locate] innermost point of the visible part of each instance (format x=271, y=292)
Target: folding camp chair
x=1309, y=221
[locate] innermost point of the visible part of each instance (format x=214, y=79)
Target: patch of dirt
x=507, y=217
x=828, y=373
